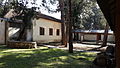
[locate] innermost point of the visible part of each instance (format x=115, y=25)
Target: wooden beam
x=6, y=32
x=98, y=38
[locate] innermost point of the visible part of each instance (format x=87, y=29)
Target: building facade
x=2, y=32
x=46, y=29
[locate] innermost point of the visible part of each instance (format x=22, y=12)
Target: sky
x=42, y=9
x=56, y=15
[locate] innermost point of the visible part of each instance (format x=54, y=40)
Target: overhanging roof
x=49, y=18
x=92, y=31
x=5, y=19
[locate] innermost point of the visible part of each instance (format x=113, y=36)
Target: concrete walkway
x=78, y=47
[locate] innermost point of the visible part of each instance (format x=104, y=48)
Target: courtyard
x=44, y=57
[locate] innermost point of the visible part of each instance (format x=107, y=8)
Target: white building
x=3, y=30
x=46, y=29
x=91, y=35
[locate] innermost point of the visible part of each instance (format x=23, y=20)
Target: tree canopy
x=86, y=14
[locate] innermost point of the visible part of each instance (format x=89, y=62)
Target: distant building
x=93, y=35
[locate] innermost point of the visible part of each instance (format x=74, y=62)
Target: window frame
x=42, y=31
x=58, y=32
x=50, y=31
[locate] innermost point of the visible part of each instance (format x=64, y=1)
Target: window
x=58, y=32
x=42, y=31
x=50, y=31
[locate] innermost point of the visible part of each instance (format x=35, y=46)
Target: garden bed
x=21, y=44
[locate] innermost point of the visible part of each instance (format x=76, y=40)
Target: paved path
x=78, y=47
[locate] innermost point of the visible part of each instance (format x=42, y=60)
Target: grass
x=44, y=58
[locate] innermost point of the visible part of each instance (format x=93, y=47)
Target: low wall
x=19, y=44
x=93, y=37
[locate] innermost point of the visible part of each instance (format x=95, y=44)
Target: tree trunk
x=105, y=35
x=22, y=33
x=117, y=33
x=64, y=38
x=70, y=30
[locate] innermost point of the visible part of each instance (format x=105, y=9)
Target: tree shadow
x=44, y=58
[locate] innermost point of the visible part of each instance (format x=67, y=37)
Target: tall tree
x=87, y=15
x=70, y=28
x=63, y=27
x=105, y=35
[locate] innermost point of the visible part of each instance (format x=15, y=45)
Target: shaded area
x=44, y=57
x=108, y=9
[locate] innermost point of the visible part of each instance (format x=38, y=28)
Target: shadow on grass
x=44, y=58
x=3, y=48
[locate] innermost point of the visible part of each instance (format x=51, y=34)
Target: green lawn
x=44, y=58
